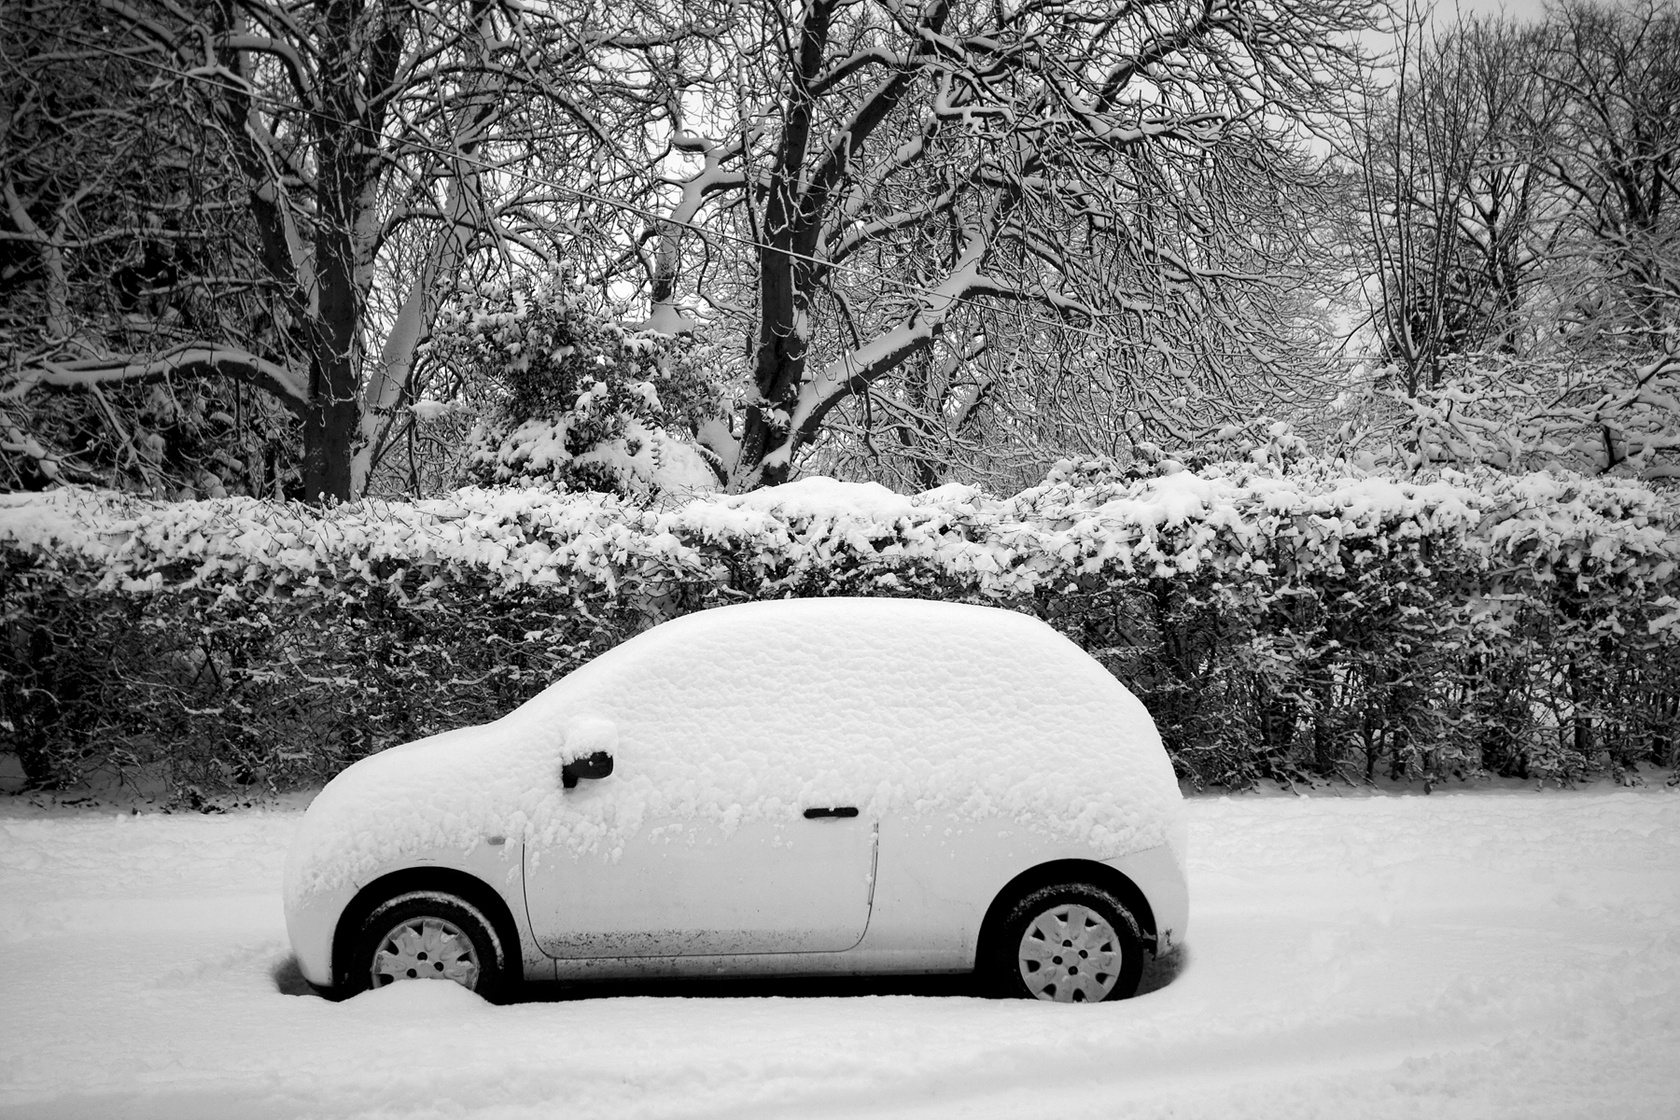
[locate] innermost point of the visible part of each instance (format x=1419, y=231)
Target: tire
x=429, y=935
x=1100, y=955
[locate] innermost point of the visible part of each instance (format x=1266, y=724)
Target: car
x=795, y=787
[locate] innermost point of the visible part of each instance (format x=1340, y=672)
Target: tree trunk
x=329, y=430
x=332, y=417
x=758, y=438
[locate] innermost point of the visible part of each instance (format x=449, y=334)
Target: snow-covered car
x=813, y=786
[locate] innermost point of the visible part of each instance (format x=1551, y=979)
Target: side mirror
x=597, y=765
x=590, y=742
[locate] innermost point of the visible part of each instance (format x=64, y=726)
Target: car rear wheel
x=1070, y=943
x=429, y=935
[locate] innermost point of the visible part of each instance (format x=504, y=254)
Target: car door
x=727, y=826
x=800, y=885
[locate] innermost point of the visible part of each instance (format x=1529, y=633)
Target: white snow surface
x=1454, y=957
x=757, y=711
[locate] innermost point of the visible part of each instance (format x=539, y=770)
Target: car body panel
x=1158, y=873
x=858, y=961
x=312, y=927
x=698, y=888
x=940, y=873
x=937, y=879
x=495, y=863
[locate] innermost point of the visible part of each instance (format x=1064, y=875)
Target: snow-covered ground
x=1467, y=954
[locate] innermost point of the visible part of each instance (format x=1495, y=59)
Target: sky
x=1527, y=10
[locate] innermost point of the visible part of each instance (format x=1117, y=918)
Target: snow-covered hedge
x=1277, y=623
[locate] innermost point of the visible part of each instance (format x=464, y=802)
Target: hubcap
x=425, y=949
x=1069, y=954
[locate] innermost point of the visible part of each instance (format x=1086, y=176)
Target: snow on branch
x=190, y=360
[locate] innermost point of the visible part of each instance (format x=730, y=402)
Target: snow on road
x=1472, y=954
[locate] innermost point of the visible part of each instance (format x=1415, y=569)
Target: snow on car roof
x=756, y=711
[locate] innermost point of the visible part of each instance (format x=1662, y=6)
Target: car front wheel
x=429, y=935
x=1071, y=943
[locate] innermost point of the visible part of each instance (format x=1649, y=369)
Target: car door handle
x=837, y=811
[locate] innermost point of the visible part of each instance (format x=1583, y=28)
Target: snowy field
x=1467, y=954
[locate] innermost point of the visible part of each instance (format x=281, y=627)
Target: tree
x=899, y=201
x=371, y=145
x=1523, y=247
x=1614, y=147
x=112, y=211
x=1452, y=189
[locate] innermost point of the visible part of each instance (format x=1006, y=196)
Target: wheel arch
x=446, y=880
x=1058, y=871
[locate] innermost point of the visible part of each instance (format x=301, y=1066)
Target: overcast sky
x=1526, y=10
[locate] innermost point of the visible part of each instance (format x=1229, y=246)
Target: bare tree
x=1614, y=149
x=1453, y=189
x=916, y=182
x=1522, y=239
x=374, y=144
x=114, y=212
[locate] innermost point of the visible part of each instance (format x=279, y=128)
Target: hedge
x=1282, y=624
